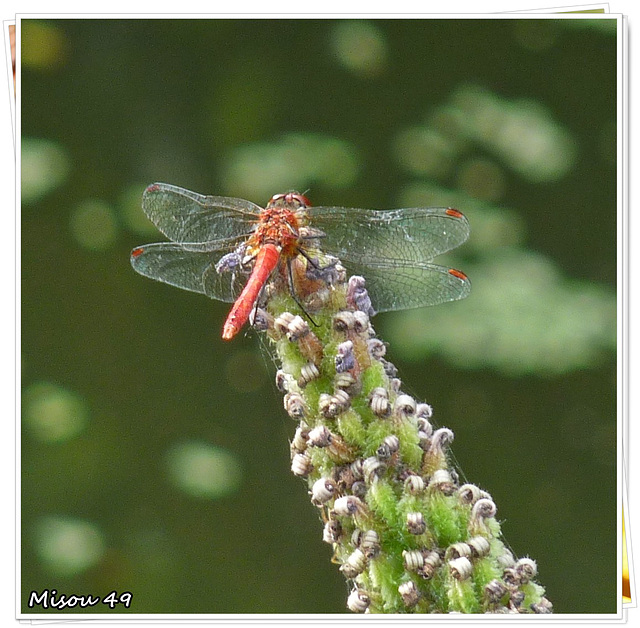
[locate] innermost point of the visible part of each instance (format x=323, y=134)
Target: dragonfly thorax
x=278, y=225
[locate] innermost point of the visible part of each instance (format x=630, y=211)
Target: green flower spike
x=407, y=536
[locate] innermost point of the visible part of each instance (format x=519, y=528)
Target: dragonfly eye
x=290, y=198
x=297, y=199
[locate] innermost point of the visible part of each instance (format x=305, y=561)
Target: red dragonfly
x=228, y=248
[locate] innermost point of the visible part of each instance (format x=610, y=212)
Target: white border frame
x=622, y=319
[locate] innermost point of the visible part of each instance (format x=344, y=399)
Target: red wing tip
x=458, y=273
x=137, y=252
x=454, y=212
x=152, y=188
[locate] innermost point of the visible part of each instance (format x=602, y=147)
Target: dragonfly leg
x=327, y=273
x=293, y=292
x=313, y=261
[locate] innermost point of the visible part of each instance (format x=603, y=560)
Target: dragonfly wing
x=406, y=287
x=190, y=270
x=410, y=236
x=185, y=216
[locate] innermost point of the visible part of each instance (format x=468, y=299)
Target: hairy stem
x=406, y=534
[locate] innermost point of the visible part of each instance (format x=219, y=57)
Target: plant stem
x=407, y=536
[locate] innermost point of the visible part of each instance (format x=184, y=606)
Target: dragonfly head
x=293, y=200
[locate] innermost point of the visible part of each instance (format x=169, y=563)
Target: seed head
x=461, y=568
x=358, y=601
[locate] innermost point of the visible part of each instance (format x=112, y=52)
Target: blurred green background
x=155, y=456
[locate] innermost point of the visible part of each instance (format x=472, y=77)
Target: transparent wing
x=405, y=287
x=201, y=221
x=190, y=270
x=405, y=236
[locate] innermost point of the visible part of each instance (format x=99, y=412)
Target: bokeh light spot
x=45, y=165
x=68, y=546
x=43, y=45
x=53, y=413
x=260, y=170
x=521, y=132
x=424, y=151
x=93, y=224
x=507, y=326
x=359, y=47
x=202, y=470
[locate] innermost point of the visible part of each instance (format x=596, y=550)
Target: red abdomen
x=266, y=261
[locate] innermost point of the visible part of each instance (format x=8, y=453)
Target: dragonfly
x=229, y=248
